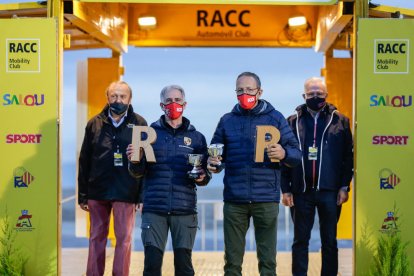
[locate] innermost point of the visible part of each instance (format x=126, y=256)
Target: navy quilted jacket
x=167, y=188
x=246, y=181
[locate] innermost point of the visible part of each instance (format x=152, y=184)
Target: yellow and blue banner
x=29, y=143
x=384, y=144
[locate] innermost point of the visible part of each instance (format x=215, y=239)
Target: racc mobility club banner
x=29, y=146
x=384, y=189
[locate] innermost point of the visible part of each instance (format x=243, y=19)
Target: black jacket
x=98, y=178
x=336, y=153
x=167, y=188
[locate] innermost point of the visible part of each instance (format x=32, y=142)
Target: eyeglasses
x=248, y=90
x=319, y=94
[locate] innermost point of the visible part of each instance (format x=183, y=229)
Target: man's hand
x=275, y=151
x=138, y=207
x=201, y=177
x=213, y=161
x=342, y=197
x=287, y=199
x=130, y=150
x=84, y=206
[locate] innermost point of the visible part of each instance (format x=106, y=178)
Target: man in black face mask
x=322, y=181
x=104, y=183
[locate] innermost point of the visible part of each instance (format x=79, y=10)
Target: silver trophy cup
x=195, y=160
x=215, y=150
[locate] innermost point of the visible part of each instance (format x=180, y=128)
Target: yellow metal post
x=55, y=10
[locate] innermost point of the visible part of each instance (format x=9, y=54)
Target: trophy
x=195, y=160
x=215, y=150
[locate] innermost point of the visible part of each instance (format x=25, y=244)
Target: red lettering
x=9, y=138
x=405, y=139
x=397, y=140
x=31, y=138
x=23, y=138
x=389, y=140
x=29, y=100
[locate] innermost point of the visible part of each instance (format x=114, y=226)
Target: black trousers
x=303, y=215
x=153, y=262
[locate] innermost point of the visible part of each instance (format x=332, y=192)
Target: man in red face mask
x=251, y=190
x=169, y=194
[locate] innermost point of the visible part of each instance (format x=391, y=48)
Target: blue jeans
x=303, y=215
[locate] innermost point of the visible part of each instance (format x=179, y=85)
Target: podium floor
x=207, y=263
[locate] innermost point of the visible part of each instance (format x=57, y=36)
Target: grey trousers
x=155, y=230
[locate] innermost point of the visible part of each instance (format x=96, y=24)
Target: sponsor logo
x=392, y=101
x=23, y=138
x=388, y=179
x=28, y=100
x=389, y=225
x=22, y=178
x=390, y=140
x=23, y=55
x=187, y=141
x=24, y=222
x=391, y=56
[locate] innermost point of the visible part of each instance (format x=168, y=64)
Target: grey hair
x=168, y=88
x=117, y=83
x=253, y=75
x=315, y=79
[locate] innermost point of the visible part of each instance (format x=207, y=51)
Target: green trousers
x=236, y=223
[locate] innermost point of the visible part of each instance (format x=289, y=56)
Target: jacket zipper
x=320, y=158
x=171, y=184
x=300, y=147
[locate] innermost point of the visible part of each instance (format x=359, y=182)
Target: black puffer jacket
x=336, y=153
x=98, y=178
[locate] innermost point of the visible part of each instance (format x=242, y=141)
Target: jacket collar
x=261, y=108
x=104, y=114
x=162, y=123
x=328, y=109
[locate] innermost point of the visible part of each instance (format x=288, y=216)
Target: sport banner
x=29, y=147
x=384, y=189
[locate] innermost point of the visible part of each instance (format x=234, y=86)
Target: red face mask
x=173, y=110
x=247, y=101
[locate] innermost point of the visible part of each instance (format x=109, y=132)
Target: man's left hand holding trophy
x=214, y=160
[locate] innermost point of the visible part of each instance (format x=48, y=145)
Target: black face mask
x=316, y=103
x=118, y=108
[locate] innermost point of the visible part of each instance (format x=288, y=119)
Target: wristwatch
x=345, y=188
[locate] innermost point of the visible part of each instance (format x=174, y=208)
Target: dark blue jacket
x=336, y=152
x=246, y=181
x=167, y=188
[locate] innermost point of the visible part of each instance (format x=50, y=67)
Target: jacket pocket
x=146, y=234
